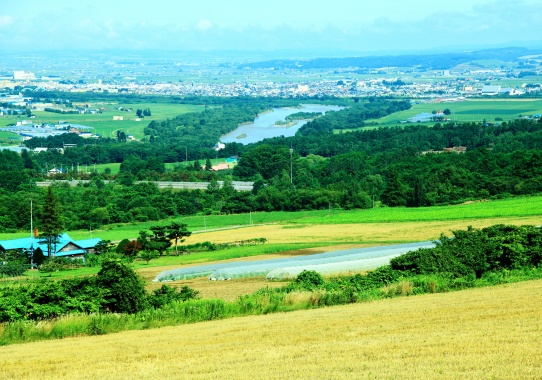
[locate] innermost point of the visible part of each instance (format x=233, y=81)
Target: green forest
x=328, y=168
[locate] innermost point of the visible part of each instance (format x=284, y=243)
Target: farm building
x=65, y=247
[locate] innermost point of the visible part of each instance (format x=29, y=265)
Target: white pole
x=291, y=172
x=31, y=238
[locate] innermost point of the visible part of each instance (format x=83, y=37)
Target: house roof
x=88, y=243
x=64, y=239
x=71, y=253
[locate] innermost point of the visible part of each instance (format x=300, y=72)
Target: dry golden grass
x=347, y=235
x=355, y=233
x=488, y=333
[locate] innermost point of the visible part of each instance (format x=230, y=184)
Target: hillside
x=440, y=61
x=490, y=332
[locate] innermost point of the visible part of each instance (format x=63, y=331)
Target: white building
x=23, y=75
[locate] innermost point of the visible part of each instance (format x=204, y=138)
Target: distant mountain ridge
x=441, y=61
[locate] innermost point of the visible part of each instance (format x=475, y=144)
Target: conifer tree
x=51, y=221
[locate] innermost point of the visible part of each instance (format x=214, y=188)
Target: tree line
x=396, y=166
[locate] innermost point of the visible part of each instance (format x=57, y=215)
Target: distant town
x=445, y=84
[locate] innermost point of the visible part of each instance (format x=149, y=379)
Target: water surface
x=264, y=125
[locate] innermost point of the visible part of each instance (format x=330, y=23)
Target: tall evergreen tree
x=208, y=164
x=51, y=221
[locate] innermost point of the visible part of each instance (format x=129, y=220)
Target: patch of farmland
x=333, y=262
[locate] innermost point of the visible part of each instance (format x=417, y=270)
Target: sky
x=362, y=26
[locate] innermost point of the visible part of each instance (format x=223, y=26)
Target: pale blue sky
x=350, y=25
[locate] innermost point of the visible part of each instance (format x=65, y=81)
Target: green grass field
x=8, y=138
x=511, y=207
x=470, y=110
x=104, y=124
x=115, y=167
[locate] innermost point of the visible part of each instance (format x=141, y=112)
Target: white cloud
x=204, y=25
x=6, y=21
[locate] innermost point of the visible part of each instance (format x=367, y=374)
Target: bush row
x=115, y=289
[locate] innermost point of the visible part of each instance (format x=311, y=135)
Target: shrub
x=124, y=289
x=475, y=252
x=56, y=264
x=167, y=294
x=309, y=280
x=13, y=269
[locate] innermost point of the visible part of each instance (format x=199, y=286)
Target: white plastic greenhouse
x=326, y=263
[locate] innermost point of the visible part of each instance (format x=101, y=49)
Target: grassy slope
x=481, y=333
x=294, y=233
x=512, y=207
x=505, y=208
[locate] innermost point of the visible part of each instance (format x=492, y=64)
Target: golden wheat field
x=487, y=333
x=384, y=233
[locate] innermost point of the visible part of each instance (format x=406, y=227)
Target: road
x=237, y=185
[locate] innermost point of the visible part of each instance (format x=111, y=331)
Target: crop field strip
x=470, y=110
x=514, y=208
x=493, y=332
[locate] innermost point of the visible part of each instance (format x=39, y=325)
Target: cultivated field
x=485, y=333
x=524, y=209
x=471, y=110
x=104, y=124
x=308, y=232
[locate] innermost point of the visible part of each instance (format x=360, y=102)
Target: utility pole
x=291, y=164
x=31, y=238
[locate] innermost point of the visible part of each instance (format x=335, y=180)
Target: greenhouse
x=334, y=262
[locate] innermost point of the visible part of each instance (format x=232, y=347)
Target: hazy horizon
x=281, y=28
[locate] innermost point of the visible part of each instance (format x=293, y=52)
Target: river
x=264, y=125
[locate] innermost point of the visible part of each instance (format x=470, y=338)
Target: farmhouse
x=65, y=247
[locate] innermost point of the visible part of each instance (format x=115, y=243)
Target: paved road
x=237, y=185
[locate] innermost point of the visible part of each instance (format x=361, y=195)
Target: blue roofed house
x=65, y=246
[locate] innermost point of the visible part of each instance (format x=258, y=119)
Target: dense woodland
x=329, y=168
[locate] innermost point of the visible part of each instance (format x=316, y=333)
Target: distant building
x=491, y=90
x=219, y=146
x=302, y=88
x=23, y=75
